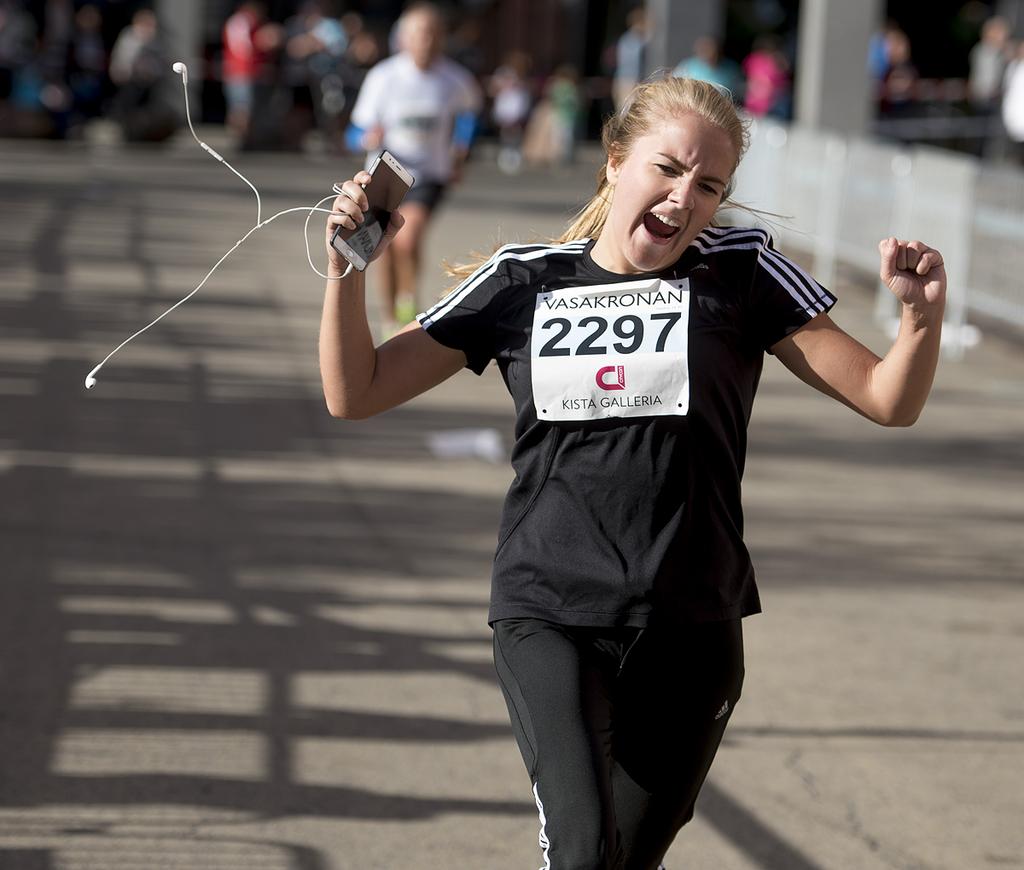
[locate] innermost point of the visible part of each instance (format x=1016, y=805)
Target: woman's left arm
x=890, y=391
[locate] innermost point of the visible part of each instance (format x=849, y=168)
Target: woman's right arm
x=360, y=380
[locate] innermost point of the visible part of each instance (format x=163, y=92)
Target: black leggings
x=618, y=728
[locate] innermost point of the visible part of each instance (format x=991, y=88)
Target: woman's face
x=665, y=191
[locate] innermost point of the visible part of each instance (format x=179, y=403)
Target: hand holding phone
x=363, y=212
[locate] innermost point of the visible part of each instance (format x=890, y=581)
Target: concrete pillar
x=833, y=88
x=1012, y=11
x=675, y=26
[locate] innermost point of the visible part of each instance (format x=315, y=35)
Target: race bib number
x=415, y=126
x=613, y=350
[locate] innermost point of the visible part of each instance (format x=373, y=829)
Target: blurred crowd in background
x=276, y=79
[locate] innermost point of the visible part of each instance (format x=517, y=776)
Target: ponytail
x=589, y=220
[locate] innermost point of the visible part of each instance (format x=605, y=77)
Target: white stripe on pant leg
x=544, y=843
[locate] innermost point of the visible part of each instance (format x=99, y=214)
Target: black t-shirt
x=632, y=395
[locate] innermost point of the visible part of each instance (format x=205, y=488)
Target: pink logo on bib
x=620, y=377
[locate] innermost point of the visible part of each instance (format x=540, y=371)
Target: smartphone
x=389, y=181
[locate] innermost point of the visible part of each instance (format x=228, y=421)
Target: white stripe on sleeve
x=508, y=252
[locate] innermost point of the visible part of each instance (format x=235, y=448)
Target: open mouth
x=661, y=228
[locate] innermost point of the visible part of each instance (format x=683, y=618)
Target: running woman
x=421, y=107
x=632, y=348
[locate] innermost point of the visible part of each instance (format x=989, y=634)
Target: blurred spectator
x=365, y=48
x=138, y=54
x=707, y=64
x=878, y=51
x=988, y=60
x=767, y=88
x=87, y=65
x=17, y=42
x=315, y=47
x=40, y=100
x=630, y=56
x=315, y=42
x=510, y=91
x=550, y=135
x=249, y=40
x=30, y=108
x=563, y=91
x=138, y=67
x=22, y=112
x=421, y=106
x=900, y=82
x=463, y=46
x=362, y=53
x=1013, y=103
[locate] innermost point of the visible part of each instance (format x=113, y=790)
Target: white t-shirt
x=417, y=109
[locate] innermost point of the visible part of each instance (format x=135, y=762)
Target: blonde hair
x=648, y=104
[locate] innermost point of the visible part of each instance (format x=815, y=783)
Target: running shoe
x=405, y=310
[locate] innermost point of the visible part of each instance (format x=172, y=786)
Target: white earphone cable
x=182, y=70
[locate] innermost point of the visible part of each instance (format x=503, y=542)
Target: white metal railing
x=840, y=196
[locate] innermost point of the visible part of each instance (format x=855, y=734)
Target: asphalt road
x=237, y=633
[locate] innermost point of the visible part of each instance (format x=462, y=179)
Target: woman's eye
x=665, y=170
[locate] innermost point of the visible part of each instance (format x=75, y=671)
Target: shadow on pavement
x=198, y=562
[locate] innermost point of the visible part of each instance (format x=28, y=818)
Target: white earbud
x=182, y=70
